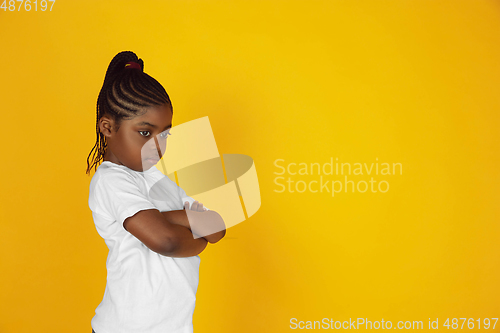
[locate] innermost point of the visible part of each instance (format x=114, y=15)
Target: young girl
x=153, y=262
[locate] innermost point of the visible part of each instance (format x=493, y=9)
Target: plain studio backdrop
x=413, y=82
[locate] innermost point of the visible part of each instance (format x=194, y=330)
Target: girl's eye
x=162, y=135
x=165, y=134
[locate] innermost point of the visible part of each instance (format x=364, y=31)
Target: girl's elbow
x=220, y=235
x=169, y=246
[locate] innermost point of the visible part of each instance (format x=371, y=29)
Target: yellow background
x=411, y=81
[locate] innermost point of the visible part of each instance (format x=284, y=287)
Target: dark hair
x=124, y=95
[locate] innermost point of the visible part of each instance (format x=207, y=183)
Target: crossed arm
x=200, y=222
x=170, y=233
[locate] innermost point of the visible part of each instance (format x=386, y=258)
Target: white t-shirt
x=145, y=291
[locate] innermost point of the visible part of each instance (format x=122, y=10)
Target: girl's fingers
x=200, y=207
x=196, y=206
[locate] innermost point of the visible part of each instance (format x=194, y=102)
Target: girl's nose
x=158, y=147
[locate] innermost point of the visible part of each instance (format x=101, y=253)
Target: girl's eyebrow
x=149, y=124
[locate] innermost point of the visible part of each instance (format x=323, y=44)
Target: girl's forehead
x=155, y=115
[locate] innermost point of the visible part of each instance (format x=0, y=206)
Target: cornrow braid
x=124, y=95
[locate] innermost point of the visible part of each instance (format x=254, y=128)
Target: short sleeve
x=119, y=196
x=185, y=197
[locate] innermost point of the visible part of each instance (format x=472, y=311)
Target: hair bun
x=133, y=64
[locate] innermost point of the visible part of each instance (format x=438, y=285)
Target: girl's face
x=140, y=142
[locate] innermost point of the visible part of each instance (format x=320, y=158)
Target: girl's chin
x=146, y=165
x=149, y=161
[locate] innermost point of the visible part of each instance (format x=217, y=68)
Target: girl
x=153, y=262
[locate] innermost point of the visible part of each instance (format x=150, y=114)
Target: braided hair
x=125, y=94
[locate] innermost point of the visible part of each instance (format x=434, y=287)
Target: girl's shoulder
x=108, y=169
x=114, y=186
x=113, y=175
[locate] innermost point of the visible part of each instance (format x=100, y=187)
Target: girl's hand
x=196, y=206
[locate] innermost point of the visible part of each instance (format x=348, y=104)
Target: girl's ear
x=105, y=126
